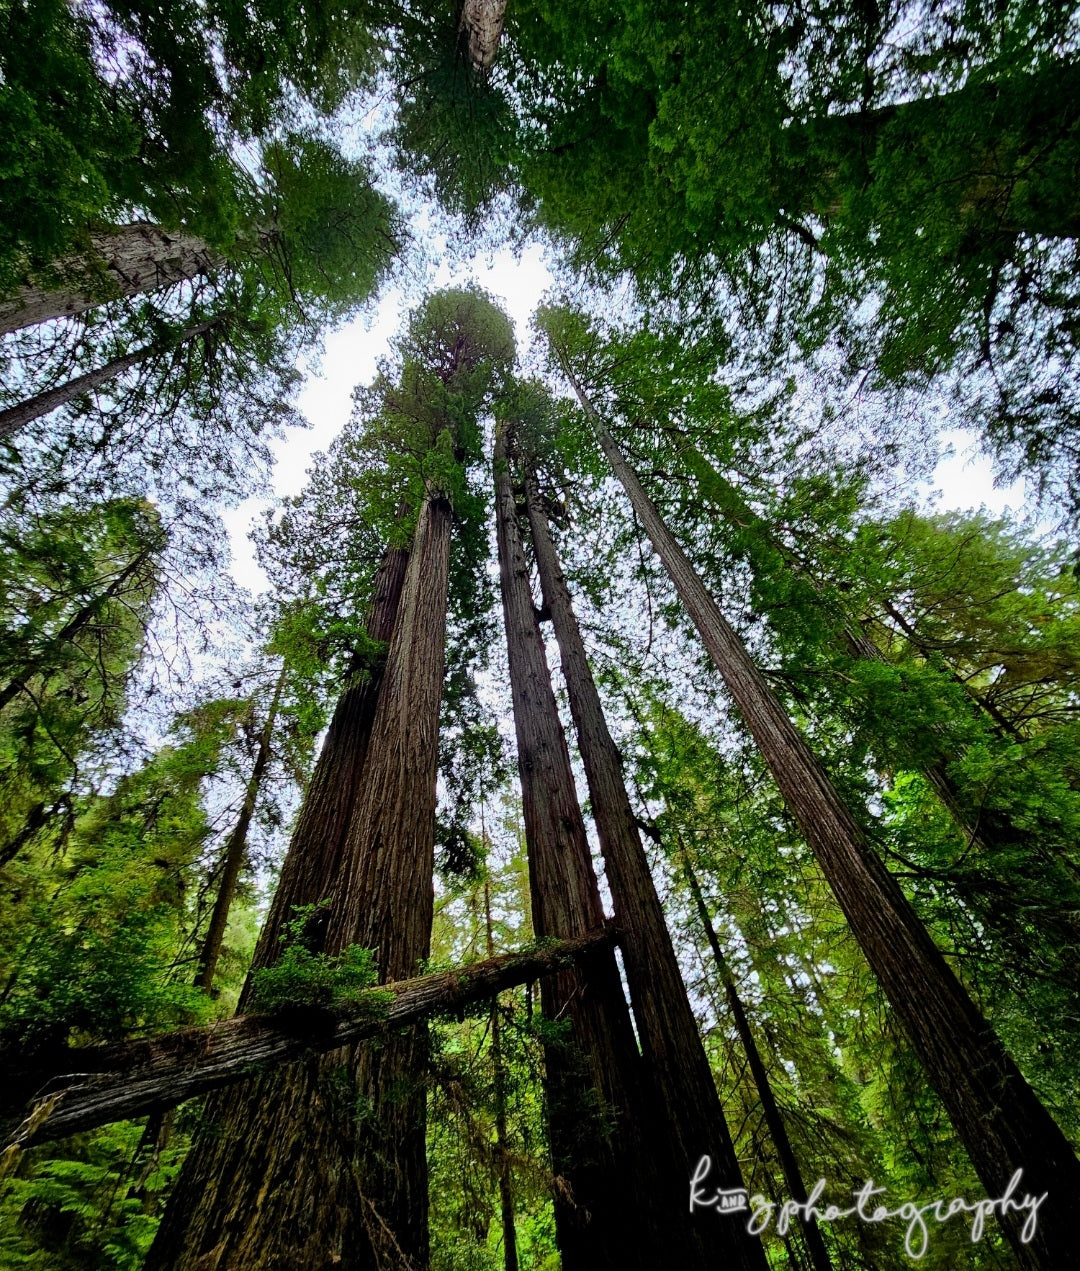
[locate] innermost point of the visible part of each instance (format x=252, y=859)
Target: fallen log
x=94, y=1085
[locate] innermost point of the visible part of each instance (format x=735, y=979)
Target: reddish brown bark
x=269, y=1183
x=597, y=1113
x=384, y=899
x=125, y=261
x=675, y=1061
x=999, y=1118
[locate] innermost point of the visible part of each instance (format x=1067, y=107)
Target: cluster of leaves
x=301, y=978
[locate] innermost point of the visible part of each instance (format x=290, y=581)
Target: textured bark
x=115, y=1083
x=482, y=24
x=18, y=416
x=125, y=261
x=269, y=1183
x=613, y=1217
x=235, y=853
x=386, y=897
x=999, y=1118
x=675, y=1061
x=815, y=1244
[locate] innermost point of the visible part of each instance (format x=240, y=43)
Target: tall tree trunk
x=815, y=1244
x=385, y=900
x=18, y=416
x=482, y=25
x=609, y=1214
x=279, y=1129
x=502, y=1163
x=674, y=1057
x=988, y=829
x=997, y=1115
x=235, y=853
x=126, y=261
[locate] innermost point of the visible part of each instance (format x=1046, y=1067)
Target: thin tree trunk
x=76, y=624
x=18, y=416
x=608, y=1213
x=126, y=261
x=502, y=1162
x=280, y=1121
x=235, y=853
x=94, y=1086
x=675, y=1059
x=997, y=1115
x=815, y=1244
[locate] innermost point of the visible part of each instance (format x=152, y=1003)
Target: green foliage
x=73, y=1208
x=300, y=978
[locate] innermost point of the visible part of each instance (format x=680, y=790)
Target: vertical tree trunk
x=235, y=853
x=18, y=416
x=125, y=261
x=502, y=1163
x=384, y=900
x=607, y=1213
x=815, y=1244
x=997, y=1115
x=482, y=25
x=268, y=1183
x=674, y=1057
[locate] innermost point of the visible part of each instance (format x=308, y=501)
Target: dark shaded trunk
x=1006, y=181
x=83, y=1089
x=502, y=1162
x=1000, y=1120
x=126, y=261
x=269, y=1181
x=235, y=854
x=815, y=1244
x=18, y=416
x=675, y=1061
x=607, y=1214
x=36, y=818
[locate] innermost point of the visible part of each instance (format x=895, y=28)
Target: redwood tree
x=613, y=1207
x=999, y=1118
x=324, y=1163
x=675, y=1061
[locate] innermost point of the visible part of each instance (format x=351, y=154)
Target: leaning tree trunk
x=80, y=621
x=235, y=853
x=674, y=1057
x=996, y=901
x=126, y=261
x=91, y=1086
x=18, y=416
x=999, y=1118
x=608, y=1212
x=280, y=1122
x=815, y=1243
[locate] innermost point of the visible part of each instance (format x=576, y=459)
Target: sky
x=963, y=478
